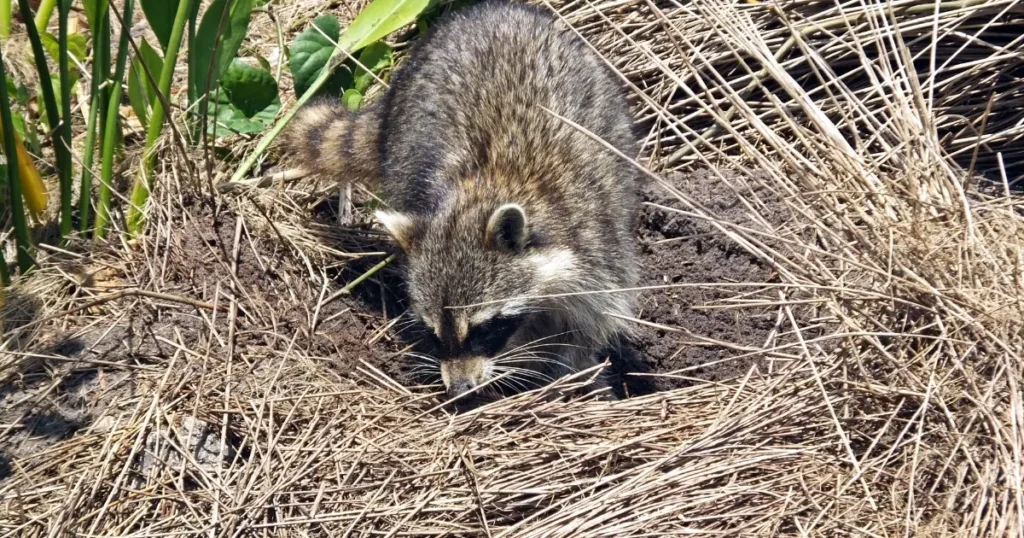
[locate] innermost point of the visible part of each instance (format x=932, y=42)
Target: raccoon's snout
x=460, y=387
x=463, y=375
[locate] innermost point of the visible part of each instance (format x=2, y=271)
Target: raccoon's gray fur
x=494, y=202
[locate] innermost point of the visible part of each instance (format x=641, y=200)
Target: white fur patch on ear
x=554, y=264
x=506, y=229
x=400, y=226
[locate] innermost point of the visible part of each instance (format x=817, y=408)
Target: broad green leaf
x=250, y=89
x=76, y=46
x=160, y=15
x=310, y=51
x=351, y=99
x=376, y=57
x=229, y=120
x=155, y=63
x=91, y=7
x=207, y=37
x=141, y=93
x=50, y=44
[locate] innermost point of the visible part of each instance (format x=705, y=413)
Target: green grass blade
x=377, y=20
x=140, y=192
x=110, y=139
x=5, y=274
x=53, y=116
x=64, y=157
x=97, y=110
x=22, y=240
x=39, y=55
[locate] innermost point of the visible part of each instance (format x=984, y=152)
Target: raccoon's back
x=469, y=101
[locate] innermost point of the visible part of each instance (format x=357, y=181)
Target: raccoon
x=513, y=224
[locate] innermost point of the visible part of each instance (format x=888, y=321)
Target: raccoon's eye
x=490, y=337
x=421, y=330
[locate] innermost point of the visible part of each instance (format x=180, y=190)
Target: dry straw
x=896, y=410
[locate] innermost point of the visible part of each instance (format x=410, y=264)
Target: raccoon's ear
x=506, y=229
x=402, y=227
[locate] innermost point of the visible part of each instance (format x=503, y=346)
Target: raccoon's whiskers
x=425, y=358
x=523, y=361
x=511, y=383
x=524, y=373
x=424, y=370
x=533, y=344
x=518, y=380
x=528, y=358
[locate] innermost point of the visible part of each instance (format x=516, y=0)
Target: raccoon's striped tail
x=336, y=144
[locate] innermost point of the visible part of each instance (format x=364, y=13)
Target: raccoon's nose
x=459, y=387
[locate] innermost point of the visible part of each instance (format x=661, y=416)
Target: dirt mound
x=701, y=335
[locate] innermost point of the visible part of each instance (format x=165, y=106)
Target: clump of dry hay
x=896, y=411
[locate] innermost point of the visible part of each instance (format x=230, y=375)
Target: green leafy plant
x=60, y=131
x=141, y=91
x=231, y=119
x=239, y=96
x=373, y=60
x=96, y=13
x=249, y=89
x=217, y=41
x=140, y=191
x=77, y=46
x=110, y=143
x=310, y=52
x=377, y=20
x=351, y=99
x=20, y=97
x=23, y=244
x=160, y=16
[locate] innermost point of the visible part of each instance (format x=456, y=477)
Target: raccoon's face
x=473, y=276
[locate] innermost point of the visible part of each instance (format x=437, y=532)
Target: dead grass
x=903, y=418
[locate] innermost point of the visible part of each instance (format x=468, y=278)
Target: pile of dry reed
x=895, y=410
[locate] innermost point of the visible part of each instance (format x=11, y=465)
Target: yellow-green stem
x=140, y=192
x=5, y=22
x=44, y=14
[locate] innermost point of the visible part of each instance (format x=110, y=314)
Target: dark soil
x=678, y=249
x=45, y=401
